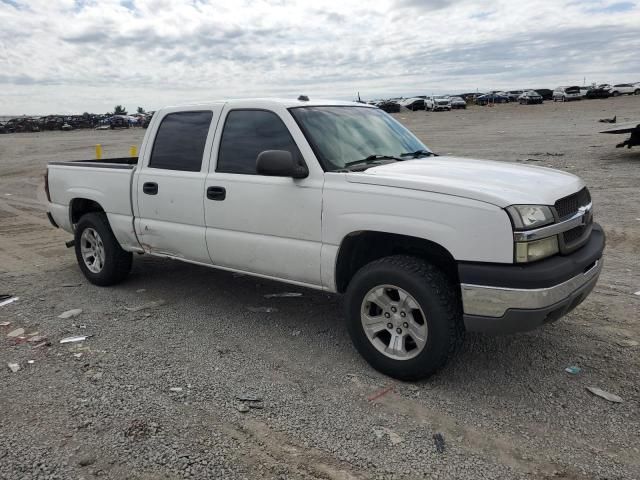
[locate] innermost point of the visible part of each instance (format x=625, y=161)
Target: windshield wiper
x=366, y=162
x=418, y=153
x=372, y=159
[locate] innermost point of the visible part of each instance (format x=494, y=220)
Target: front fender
x=470, y=230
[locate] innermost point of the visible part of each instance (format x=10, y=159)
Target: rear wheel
x=404, y=316
x=615, y=94
x=100, y=256
x=637, y=92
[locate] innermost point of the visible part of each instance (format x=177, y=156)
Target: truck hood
x=498, y=183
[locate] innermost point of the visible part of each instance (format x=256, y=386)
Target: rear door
x=170, y=184
x=262, y=224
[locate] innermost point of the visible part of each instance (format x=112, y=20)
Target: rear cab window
x=180, y=141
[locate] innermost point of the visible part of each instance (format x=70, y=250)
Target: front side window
x=342, y=135
x=179, y=143
x=246, y=134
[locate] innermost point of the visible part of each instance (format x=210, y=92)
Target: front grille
x=569, y=205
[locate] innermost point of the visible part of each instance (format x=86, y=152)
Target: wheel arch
x=80, y=206
x=362, y=247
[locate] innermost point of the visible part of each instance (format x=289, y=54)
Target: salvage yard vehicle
x=413, y=103
x=545, y=93
x=491, y=98
x=566, y=94
x=340, y=197
x=530, y=97
x=437, y=103
x=513, y=95
x=389, y=106
x=624, y=89
x=458, y=102
x=597, y=92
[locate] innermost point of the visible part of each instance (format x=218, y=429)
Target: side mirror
x=279, y=163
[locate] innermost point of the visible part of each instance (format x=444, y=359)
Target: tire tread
x=447, y=296
x=122, y=260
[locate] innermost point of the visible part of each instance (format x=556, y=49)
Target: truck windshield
x=341, y=136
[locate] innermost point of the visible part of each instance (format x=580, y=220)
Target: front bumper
x=517, y=298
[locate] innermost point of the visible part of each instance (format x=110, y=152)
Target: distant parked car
x=118, y=122
x=65, y=127
x=597, y=92
x=458, y=102
x=437, y=102
x=491, y=98
x=2, y=129
x=566, y=94
x=389, y=106
x=513, y=95
x=545, y=93
x=413, y=103
x=530, y=97
x=625, y=89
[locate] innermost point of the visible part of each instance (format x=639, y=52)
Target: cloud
x=424, y=4
x=617, y=7
x=73, y=55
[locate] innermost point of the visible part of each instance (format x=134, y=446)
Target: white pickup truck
x=340, y=197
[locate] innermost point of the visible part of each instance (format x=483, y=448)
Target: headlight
x=525, y=217
x=536, y=250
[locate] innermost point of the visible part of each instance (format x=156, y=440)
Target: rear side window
x=247, y=133
x=180, y=140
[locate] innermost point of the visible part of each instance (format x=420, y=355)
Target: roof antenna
x=303, y=98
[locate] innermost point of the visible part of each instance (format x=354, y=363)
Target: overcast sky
x=73, y=56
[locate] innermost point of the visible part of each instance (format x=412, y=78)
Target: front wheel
x=404, y=316
x=100, y=256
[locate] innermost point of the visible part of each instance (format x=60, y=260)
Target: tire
x=615, y=94
x=385, y=282
x=637, y=92
x=94, y=235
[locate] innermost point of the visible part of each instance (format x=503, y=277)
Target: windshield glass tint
x=341, y=135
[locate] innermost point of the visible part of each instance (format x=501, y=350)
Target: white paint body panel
x=291, y=230
x=469, y=229
x=499, y=183
x=172, y=222
x=110, y=187
x=267, y=225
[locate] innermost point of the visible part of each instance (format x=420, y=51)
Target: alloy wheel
x=92, y=250
x=394, y=322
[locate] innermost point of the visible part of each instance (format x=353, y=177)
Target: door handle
x=216, y=193
x=150, y=188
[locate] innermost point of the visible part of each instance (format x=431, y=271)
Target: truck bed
x=106, y=182
x=121, y=162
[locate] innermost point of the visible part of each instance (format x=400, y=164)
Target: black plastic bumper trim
x=51, y=220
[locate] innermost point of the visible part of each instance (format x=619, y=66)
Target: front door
x=262, y=224
x=170, y=185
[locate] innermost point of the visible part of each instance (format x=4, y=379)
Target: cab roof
x=276, y=102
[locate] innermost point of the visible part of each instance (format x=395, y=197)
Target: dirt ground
x=151, y=395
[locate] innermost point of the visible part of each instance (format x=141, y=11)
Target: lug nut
x=399, y=330
x=394, y=309
x=405, y=325
x=402, y=314
x=389, y=326
x=387, y=315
